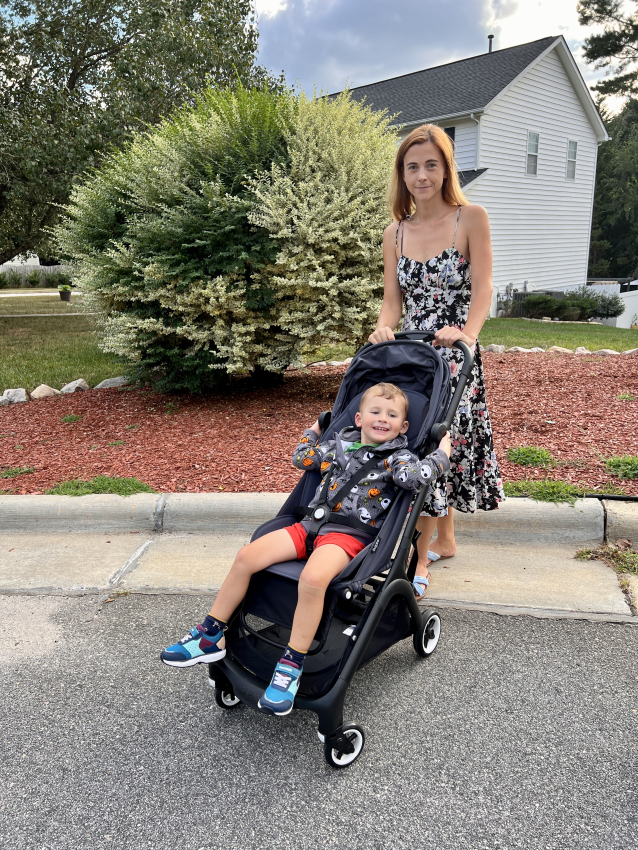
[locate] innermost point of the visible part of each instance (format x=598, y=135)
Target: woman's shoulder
x=391, y=229
x=474, y=213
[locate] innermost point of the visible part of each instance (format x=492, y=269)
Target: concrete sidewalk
x=519, y=559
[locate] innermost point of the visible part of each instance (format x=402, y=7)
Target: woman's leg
x=444, y=545
x=325, y=563
x=269, y=549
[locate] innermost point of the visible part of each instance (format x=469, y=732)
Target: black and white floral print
x=435, y=294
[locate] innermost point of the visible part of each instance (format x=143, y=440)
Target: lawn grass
x=549, y=490
x=624, y=466
x=623, y=560
x=53, y=351
x=509, y=332
x=49, y=303
x=102, y=484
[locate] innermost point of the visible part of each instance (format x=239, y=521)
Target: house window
x=532, y=153
x=572, y=148
x=451, y=131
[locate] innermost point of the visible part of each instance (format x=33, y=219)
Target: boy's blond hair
x=386, y=391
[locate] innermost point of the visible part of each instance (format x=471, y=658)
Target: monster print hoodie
x=368, y=500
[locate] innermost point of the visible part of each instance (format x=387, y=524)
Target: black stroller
x=371, y=605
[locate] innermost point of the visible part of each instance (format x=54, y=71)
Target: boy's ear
x=404, y=427
x=357, y=419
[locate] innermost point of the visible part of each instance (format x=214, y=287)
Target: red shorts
x=350, y=545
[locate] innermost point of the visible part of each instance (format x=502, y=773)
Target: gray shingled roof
x=459, y=87
x=466, y=177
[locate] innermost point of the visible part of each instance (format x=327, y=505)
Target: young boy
x=381, y=425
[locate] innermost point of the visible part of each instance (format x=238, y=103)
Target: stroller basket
x=371, y=605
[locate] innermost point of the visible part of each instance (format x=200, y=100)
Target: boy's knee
x=243, y=560
x=311, y=589
x=311, y=581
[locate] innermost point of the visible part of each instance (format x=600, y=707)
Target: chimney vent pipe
x=489, y=38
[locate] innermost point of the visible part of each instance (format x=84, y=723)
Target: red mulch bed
x=242, y=441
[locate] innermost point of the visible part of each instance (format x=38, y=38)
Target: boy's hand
x=445, y=444
x=315, y=427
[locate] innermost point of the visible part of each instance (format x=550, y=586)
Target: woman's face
x=424, y=171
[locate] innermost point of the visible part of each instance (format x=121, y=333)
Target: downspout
x=591, y=210
x=478, y=140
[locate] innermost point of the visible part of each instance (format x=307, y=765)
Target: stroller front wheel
x=427, y=635
x=226, y=698
x=353, y=739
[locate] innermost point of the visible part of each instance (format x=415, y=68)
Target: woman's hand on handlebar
x=446, y=444
x=447, y=336
x=381, y=335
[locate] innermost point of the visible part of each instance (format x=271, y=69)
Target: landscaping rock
x=546, y=319
x=348, y=361
x=335, y=362
x=516, y=349
x=557, y=349
x=74, y=386
x=605, y=351
x=15, y=396
x=631, y=351
x=536, y=350
x=496, y=349
x=44, y=391
x=111, y=383
x=318, y=363
x=4, y=402
x=582, y=350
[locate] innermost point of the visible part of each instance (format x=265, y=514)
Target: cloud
x=328, y=42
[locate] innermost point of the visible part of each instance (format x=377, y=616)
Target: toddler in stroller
x=361, y=468
x=363, y=601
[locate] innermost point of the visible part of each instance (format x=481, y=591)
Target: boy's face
x=381, y=419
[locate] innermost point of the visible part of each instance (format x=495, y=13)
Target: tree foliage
x=79, y=75
x=616, y=47
x=614, y=242
x=238, y=234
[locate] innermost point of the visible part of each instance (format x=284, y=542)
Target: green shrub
x=530, y=456
x=34, y=278
x=242, y=232
x=537, y=306
x=13, y=279
x=581, y=304
x=4, y=283
x=55, y=279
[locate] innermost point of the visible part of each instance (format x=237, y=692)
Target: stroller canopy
x=412, y=365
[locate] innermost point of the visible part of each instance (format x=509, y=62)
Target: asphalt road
x=516, y=733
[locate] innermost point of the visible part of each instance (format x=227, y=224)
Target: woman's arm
x=480, y=256
x=392, y=307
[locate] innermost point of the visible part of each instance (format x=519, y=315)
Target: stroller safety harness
x=370, y=605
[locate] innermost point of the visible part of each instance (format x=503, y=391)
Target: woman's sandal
x=420, y=585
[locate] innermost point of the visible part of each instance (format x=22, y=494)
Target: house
x=526, y=132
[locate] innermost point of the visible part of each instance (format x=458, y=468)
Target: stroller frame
x=343, y=743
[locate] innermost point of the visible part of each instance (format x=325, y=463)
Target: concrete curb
x=517, y=520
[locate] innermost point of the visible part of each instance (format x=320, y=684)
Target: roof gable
x=453, y=89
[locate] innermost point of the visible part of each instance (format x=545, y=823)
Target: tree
x=236, y=236
x=78, y=76
x=616, y=47
x=614, y=243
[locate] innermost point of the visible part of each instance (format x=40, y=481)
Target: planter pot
x=65, y=294
x=634, y=327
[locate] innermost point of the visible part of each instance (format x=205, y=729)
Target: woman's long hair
x=400, y=201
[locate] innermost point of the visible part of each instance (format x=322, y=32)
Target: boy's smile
x=381, y=420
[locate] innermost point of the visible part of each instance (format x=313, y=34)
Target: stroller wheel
x=226, y=698
x=353, y=739
x=427, y=636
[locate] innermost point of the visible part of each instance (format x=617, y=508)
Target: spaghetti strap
x=396, y=236
x=456, y=227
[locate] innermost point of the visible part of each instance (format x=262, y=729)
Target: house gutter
x=439, y=118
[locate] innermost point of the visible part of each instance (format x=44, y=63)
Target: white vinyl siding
x=572, y=150
x=532, y=153
x=540, y=227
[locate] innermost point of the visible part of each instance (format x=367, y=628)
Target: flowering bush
x=240, y=233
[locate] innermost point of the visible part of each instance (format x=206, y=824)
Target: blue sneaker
x=280, y=693
x=193, y=648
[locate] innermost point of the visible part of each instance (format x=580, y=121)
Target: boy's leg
x=325, y=563
x=205, y=642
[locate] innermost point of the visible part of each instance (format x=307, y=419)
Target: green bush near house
x=243, y=232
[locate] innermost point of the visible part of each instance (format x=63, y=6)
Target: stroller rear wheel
x=352, y=740
x=427, y=636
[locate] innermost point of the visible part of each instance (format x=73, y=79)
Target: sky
x=329, y=43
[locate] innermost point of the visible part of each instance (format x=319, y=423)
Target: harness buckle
x=319, y=513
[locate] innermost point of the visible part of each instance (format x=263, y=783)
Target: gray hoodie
x=368, y=500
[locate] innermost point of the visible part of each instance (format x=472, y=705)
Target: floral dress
x=437, y=293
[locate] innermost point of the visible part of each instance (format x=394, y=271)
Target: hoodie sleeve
x=310, y=454
x=411, y=473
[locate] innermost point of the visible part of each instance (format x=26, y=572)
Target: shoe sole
x=201, y=659
x=265, y=709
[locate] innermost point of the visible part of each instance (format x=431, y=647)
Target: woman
x=427, y=252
